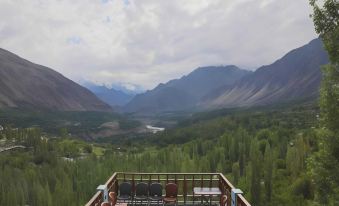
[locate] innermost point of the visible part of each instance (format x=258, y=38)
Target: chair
x=125, y=192
x=155, y=193
x=113, y=198
x=171, y=194
x=223, y=200
x=141, y=192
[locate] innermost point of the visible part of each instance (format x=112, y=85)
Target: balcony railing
x=185, y=182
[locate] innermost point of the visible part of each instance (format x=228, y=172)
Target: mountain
x=111, y=96
x=128, y=88
x=296, y=76
x=186, y=92
x=24, y=84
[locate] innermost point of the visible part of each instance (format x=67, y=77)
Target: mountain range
x=111, y=96
x=296, y=76
x=24, y=84
x=186, y=92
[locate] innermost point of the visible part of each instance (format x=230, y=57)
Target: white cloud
x=146, y=42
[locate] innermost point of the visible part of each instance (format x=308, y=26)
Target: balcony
x=188, y=185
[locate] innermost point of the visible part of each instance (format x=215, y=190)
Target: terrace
x=192, y=188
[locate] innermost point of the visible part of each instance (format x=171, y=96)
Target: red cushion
x=170, y=199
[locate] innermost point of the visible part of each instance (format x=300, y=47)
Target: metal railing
x=185, y=181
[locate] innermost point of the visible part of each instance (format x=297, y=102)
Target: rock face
x=296, y=76
x=186, y=92
x=24, y=84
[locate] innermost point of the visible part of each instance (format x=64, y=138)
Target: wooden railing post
x=150, y=180
x=193, y=187
x=133, y=183
x=234, y=196
x=103, y=189
x=185, y=189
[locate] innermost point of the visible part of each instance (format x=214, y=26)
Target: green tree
x=326, y=22
x=63, y=132
x=255, y=182
x=325, y=163
x=268, y=160
x=241, y=159
x=235, y=173
x=88, y=148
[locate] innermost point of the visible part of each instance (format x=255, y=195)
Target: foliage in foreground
x=324, y=164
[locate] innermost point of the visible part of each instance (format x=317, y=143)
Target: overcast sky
x=146, y=42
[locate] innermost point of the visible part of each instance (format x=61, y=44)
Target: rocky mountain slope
x=296, y=76
x=186, y=92
x=24, y=84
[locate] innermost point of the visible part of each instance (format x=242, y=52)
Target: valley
x=260, y=139
x=169, y=103
x=201, y=143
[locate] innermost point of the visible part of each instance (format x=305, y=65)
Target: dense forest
x=262, y=152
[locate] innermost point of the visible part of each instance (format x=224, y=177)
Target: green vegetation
x=98, y=151
x=263, y=153
x=53, y=121
x=79, y=124
x=324, y=164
